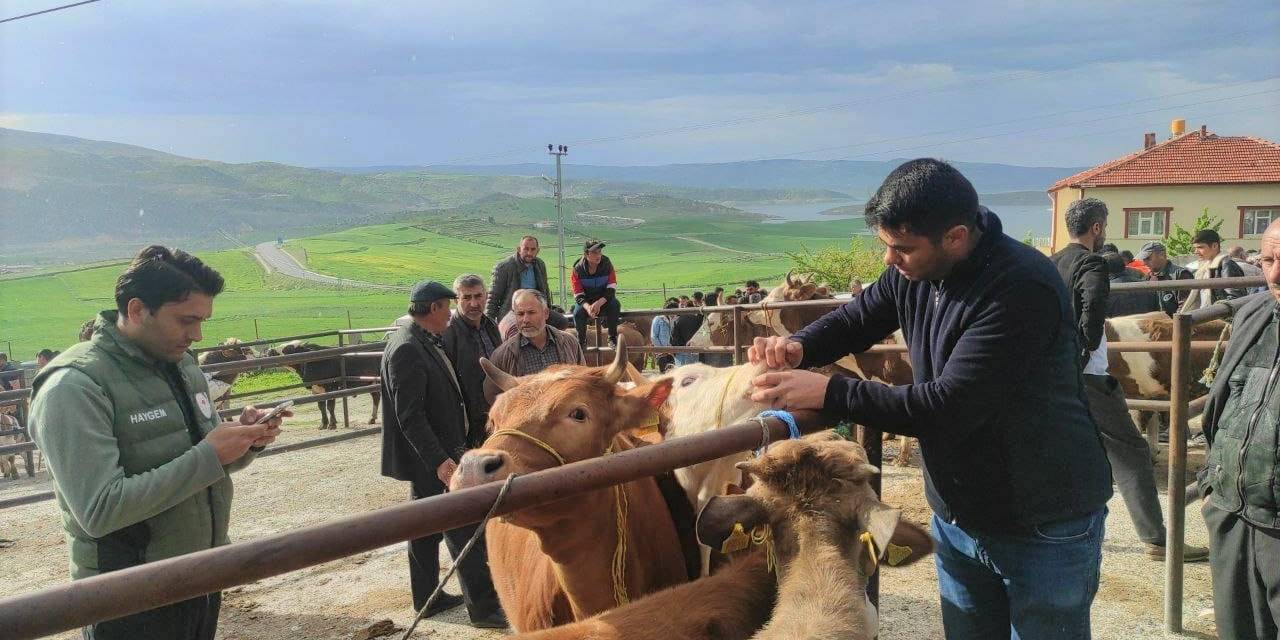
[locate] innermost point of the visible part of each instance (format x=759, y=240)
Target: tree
x=835, y=266
x=1179, y=243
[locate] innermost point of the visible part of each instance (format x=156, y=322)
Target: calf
x=321, y=376
x=812, y=502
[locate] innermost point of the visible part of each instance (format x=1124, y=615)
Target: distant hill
x=856, y=177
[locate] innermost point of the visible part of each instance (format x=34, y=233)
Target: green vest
x=151, y=426
x=1243, y=467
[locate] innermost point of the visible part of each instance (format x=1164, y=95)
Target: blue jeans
x=1036, y=586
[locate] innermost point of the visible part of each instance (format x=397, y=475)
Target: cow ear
x=637, y=408
x=890, y=539
x=725, y=519
x=805, y=292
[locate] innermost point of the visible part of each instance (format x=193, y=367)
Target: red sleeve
x=613, y=278
x=575, y=283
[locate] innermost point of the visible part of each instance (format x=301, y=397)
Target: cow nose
x=479, y=467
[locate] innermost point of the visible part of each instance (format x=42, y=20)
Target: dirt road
x=279, y=260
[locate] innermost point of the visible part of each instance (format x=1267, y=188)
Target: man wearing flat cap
x=1156, y=258
x=424, y=434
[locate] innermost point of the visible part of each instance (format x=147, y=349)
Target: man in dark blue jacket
x=1014, y=467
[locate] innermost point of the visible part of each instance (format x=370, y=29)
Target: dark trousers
x=608, y=312
x=473, y=571
x=1129, y=454
x=194, y=619
x=1244, y=562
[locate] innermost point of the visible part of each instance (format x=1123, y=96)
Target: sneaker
x=1189, y=553
x=444, y=602
x=495, y=620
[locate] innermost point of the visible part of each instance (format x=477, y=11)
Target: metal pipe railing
x=119, y=593
x=293, y=358
x=320, y=397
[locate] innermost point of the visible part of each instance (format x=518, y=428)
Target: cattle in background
x=8, y=462
x=628, y=333
x=321, y=376
x=567, y=560
x=220, y=383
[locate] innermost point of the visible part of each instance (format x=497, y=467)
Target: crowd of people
x=1022, y=429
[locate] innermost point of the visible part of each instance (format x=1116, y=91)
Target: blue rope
x=793, y=429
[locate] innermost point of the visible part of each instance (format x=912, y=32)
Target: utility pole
x=559, y=151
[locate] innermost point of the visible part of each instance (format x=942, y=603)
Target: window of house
x=1146, y=223
x=1254, y=220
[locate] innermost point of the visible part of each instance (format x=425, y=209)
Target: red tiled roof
x=1191, y=158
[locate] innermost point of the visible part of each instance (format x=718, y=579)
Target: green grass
x=46, y=311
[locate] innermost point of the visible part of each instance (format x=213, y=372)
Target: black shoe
x=495, y=620
x=444, y=602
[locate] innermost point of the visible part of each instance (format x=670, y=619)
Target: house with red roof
x=1237, y=178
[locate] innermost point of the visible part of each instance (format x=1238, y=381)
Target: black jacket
x=1227, y=269
x=1085, y=275
x=505, y=281
x=424, y=418
x=1128, y=304
x=998, y=401
x=1171, y=300
x=684, y=328
x=464, y=350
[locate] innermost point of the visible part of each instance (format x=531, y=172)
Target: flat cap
x=429, y=291
x=592, y=245
x=1150, y=248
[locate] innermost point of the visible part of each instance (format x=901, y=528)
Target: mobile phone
x=279, y=409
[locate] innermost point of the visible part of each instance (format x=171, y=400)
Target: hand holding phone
x=275, y=412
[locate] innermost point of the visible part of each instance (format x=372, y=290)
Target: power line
x=65, y=6
x=1011, y=121
x=1026, y=75
x=1056, y=126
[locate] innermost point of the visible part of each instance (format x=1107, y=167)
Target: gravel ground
x=337, y=599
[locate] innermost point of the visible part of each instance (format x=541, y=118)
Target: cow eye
x=688, y=381
x=579, y=414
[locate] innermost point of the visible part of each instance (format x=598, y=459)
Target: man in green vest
x=139, y=458
x=1239, y=482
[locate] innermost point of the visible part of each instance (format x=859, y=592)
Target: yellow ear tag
x=650, y=425
x=737, y=540
x=897, y=554
x=870, y=542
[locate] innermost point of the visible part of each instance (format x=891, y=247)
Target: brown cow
x=231, y=351
x=626, y=332
x=568, y=560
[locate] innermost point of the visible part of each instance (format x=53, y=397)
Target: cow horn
x=791, y=283
x=498, y=377
x=618, y=370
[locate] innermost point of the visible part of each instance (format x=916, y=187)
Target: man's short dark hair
x=1083, y=214
x=534, y=239
x=1109, y=248
x=753, y=283
x=671, y=304
x=47, y=354
x=1115, y=263
x=1207, y=236
x=1128, y=255
x=697, y=295
x=158, y=276
x=924, y=197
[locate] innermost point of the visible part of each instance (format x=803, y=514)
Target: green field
x=46, y=310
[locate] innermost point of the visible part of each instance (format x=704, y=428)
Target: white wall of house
x=1149, y=213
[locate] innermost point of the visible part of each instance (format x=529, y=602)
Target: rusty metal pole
x=342, y=373
x=599, y=343
x=119, y=593
x=737, y=338
x=1180, y=389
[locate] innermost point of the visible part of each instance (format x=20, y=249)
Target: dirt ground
x=334, y=600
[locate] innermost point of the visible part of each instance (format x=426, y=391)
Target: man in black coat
x=1087, y=276
x=424, y=434
x=1156, y=257
x=471, y=335
x=1014, y=470
x=522, y=270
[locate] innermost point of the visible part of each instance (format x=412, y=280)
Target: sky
x=479, y=82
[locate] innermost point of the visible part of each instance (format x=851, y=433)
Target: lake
x=1018, y=220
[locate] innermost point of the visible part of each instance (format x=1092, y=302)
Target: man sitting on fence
x=595, y=289
x=139, y=457
x=537, y=345
x=1241, y=508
